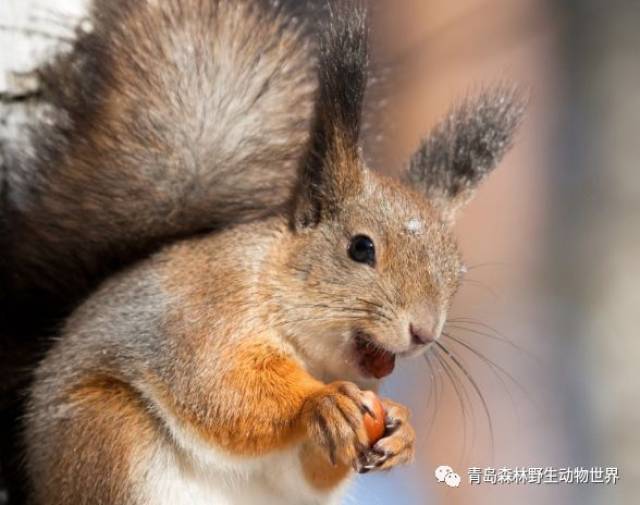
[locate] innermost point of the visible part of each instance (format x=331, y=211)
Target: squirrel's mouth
x=373, y=360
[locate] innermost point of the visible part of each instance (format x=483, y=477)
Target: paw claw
x=392, y=424
x=336, y=423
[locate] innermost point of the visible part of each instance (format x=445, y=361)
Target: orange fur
x=264, y=412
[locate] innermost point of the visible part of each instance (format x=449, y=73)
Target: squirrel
x=256, y=275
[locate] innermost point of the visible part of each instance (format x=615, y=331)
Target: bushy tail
x=181, y=116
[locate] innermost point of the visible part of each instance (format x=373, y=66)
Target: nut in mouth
x=373, y=360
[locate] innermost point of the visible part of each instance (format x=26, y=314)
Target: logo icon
x=446, y=475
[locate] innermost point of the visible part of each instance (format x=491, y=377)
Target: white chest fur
x=174, y=478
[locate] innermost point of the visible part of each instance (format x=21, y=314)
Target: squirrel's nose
x=422, y=335
x=424, y=325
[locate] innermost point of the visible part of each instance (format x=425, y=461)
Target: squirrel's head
x=374, y=260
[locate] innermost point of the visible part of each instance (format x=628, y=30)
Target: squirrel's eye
x=362, y=250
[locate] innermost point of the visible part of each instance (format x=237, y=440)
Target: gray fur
x=468, y=144
x=187, y=121
x=343, y=69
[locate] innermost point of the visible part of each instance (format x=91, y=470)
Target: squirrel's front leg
x=266, y=401
x=263, y=401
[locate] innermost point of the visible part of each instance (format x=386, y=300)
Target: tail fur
x=181, y=116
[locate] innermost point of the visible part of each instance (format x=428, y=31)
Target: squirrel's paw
x=397, y=445
x=334, y=418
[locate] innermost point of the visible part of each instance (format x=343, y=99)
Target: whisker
x=491, y=364
x=359, y=310
x=430, y=394
x=332, y=307
x=495, y=336
x=476, y=388
x=379, y=310
x=469, y=400
x=498, y=376
x=435, y=390
x=478, y=284
x=455, y=383
x=307, y=319
x=486, y=264
x=475, y=321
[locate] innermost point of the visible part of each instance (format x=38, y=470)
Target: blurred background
x=545, y=323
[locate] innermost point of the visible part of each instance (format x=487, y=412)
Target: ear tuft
x=332, y=168
x=467, y=145
x=344, y=63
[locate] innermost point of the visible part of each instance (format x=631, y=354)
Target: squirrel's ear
x=332, y=169
x=465, y=147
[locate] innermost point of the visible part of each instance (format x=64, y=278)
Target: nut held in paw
x=374, y=425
